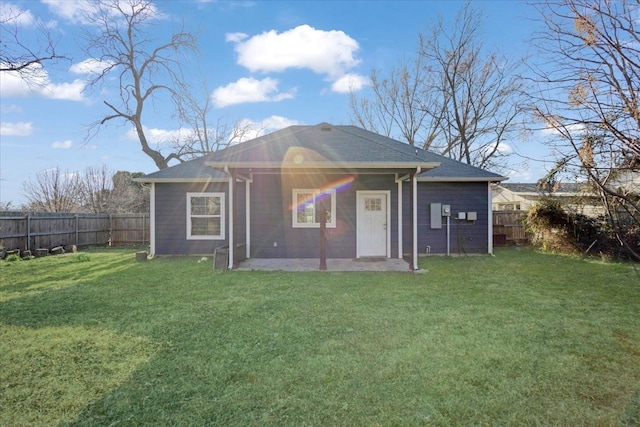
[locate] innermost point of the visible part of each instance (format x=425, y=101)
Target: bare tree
x=145, y=70
x=589, y=98
x=199, y=137
x=399, y=103
x=127, y=195
x=454, y=98
x=96, y=189
x=18, y=56
x=53, y=191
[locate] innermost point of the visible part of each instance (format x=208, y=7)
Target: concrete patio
x=333, y=264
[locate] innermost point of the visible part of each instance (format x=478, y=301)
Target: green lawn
x=521, y=338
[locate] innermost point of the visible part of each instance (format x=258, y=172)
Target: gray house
x=378, y=198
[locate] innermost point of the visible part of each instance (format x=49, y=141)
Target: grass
x=521, y=338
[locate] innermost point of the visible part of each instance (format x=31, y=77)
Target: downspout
x=490, y=220
x=247, y=197
x=415, y=217
x=231, y=214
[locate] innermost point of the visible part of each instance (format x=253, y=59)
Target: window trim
x=222, y=234
x=294, y=217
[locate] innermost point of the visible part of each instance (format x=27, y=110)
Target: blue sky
x=271, y=64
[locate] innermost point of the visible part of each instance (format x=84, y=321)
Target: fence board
x=33, y=231
x=508, y=227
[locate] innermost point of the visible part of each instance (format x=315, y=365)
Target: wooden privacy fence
x=33, y=231
x=508, y=227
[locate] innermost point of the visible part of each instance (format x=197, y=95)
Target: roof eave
x=324, y=165
x=461, y=179
x=180, y=180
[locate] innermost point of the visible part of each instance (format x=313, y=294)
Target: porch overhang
x=402, y=171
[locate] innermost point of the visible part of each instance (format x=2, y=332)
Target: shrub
x=553, y=229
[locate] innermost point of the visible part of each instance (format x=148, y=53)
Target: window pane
x=305, y=208
x=213, y=206
x=205, y=206
x=308, y=205
x=205, y=226
x=373, y=204
x=198, y=205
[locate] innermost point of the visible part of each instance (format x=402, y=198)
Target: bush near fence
x=32, y=231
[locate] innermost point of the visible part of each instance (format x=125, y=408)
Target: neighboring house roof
x=323, y=146
x=533, y=189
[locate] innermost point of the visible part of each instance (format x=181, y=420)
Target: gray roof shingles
x=323, y=143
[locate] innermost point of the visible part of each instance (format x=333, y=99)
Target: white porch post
x=247, y=187
x=399, y=182
x=231, y=225
x=152, y=219
x=414, y=182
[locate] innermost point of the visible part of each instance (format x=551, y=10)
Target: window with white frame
x=205, y=216
x=307, y=204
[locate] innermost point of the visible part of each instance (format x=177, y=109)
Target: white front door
x=372, y=224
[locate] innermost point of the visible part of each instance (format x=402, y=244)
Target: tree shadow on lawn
x=62, y=344
x=36, y=282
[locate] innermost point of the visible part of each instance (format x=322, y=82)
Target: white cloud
x=160, y=136
x=90, y=66
x=235, y=37
x=349, y=83
x=265, y=126
x=62, y=144
x=324, y=52
x=556, y=129
x=249, y=90
x=11, y=13
x=37, y=82
x=16, y=129
x=86, y=11
x=68, y=91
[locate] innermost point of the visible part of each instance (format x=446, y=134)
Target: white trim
x=152, y=219
x=179, y=180
x=415, y=219
x=222, y=216
x=247, y=222
x=232, y=243
x=322, y=165
x=461, y=179
x=316, y=192
x=387, y=195
x=490, y=221
x=400, y=242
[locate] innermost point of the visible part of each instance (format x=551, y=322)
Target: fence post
x=28, y=231
x=75, y=217
x=110, y=229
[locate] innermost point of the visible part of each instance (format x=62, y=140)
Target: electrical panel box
x=462, y=215
x=472, y=216
x=446, y=210
x=436, y=215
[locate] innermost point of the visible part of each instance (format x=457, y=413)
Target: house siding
x=272, y=232
x=171, y=218
x=464, y=236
